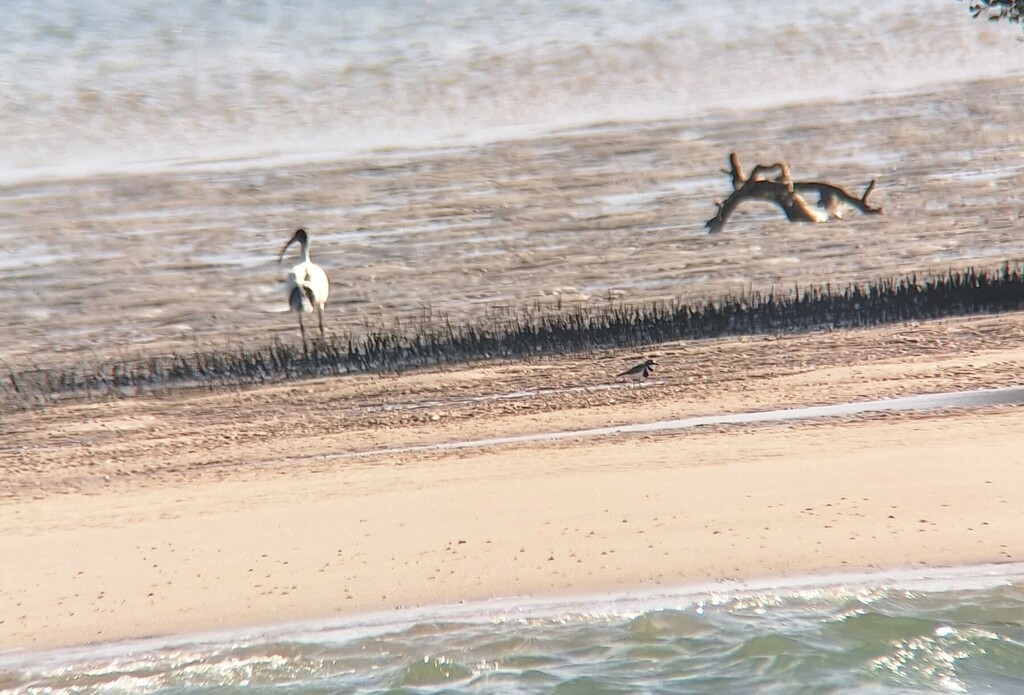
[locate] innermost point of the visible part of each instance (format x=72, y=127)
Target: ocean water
x=91, y=87
x=951, y=631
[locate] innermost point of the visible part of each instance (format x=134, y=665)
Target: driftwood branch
x=773, y=184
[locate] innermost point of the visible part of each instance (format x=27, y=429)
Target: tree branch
x=788, y=195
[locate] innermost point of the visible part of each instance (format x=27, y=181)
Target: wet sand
x=203, y=509
x=209, y=510
x=186, y=258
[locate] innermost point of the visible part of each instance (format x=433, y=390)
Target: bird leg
x=320, y=311
x=302, y=330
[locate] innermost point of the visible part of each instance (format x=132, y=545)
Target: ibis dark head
x=301, y=237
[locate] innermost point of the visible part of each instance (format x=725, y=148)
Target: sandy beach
x=227, y=507
x=200, y=511
x=455, y=490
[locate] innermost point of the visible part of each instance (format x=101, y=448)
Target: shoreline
x=125, y=519
x=978, y=293
x=973, y=577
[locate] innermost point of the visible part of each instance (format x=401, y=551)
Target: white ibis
x=639, y=372
x=307, y=284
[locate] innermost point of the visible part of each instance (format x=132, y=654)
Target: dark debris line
x=551, y=330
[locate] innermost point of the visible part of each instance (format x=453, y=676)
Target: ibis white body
x=308, y=287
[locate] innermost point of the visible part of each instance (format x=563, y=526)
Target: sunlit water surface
x=932, y=631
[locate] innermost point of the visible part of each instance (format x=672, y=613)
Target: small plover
x=639, y=372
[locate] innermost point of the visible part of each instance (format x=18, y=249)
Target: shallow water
x=956, y=630
x=129, y=83
x=458, y=159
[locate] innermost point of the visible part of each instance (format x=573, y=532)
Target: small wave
x=956, y=630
